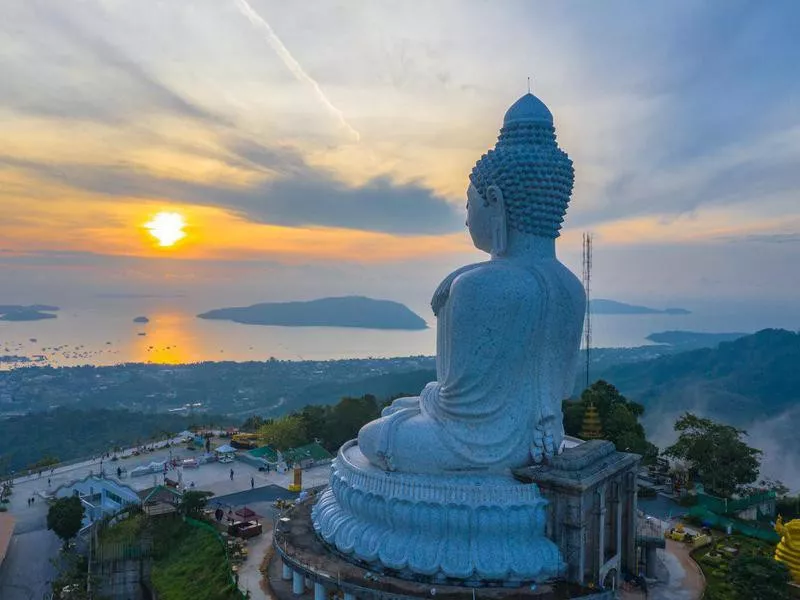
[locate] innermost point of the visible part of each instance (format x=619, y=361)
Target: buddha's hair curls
x=534, y=174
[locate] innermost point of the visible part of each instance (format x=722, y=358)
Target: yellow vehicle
x=245, y=441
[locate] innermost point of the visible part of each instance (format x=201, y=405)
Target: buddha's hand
x=399, y=404
x=547, y=438
x=442, y=292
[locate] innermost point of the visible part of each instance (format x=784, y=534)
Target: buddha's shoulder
x=497, y=278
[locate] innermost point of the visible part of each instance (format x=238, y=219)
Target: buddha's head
x=521, y=187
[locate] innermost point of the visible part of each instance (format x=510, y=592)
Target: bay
x=103, y=333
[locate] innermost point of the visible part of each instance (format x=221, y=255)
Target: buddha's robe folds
x=506, y=357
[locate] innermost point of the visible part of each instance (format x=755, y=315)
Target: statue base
x=478, y=529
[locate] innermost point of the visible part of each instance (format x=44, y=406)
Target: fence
x=735, y=525
x=725, y=506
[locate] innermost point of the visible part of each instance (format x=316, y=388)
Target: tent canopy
x=247, y=513
x=225, y=449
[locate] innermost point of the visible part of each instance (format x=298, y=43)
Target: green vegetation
x=63, y=433
x=64, y=518
x=742, y=379
x=789, y=507
x=618, y=415
x=285, y=432
x=760, y=578
x=741, y=568
x=193, y=502
x=190, y=564
x=715, y=454
x=332, y=425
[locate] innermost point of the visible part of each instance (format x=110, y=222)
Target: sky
x=323, y=148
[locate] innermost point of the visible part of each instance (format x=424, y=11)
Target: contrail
x=291, y=64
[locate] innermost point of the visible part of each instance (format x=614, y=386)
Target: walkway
x=684, y=581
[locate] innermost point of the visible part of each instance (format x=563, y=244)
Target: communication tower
x=587, y=278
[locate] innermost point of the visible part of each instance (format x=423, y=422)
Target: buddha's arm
x=442, y=292
x=491, y=312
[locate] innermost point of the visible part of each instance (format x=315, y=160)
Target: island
x=34, y=312
x=346, y=311
x=694, y=339
x=601, y=306
x=141, y=320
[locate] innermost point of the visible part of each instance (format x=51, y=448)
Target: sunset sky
x=322, y=148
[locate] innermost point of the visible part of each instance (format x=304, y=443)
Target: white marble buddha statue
x=508, y=329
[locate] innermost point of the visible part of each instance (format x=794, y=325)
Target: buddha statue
x=508, y=329
x=788, y=549
x=427, y=490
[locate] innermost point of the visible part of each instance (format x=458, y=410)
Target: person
x=119, y=472
x=29, y=502
x=231, y=474
x=252, y=483
x=48, y=482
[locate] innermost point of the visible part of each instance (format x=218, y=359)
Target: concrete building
x=100, y=496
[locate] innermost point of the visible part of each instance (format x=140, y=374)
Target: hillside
x=381, y=386
x=749, y=377
x=601, y=306
x=66, y=434
x=347, y=311
x=752, y=383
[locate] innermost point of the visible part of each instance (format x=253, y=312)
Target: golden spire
x=591, y=428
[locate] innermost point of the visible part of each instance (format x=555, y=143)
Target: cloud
x=296, y=193
x=51, y=46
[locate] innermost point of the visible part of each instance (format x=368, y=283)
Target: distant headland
x=612, y=307
x=347, y=311
x=697, y=339
x=34, y=312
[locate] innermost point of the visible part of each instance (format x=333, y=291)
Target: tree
x=619, y=418
x=759, y=578
x=716, y=454
x=284, y=433
x=193, y=502
x=252, y=424
x=65, y=518
x=350, y=415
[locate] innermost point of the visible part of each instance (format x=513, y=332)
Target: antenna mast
x=587, y=278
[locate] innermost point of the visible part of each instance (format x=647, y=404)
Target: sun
x=167, y=228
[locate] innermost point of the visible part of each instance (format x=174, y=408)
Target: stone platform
x=477, y=529
x=304, y=566
x=591, y=514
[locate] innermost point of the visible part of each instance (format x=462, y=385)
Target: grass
x=715, y=560
x=126, y=530
x=190, y=564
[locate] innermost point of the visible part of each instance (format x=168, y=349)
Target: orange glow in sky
x=167, y=228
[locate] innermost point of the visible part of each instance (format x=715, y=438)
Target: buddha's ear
x=494, y=197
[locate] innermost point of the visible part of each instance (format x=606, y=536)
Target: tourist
x=231, y=474
x=252, y=483
x=48, y=482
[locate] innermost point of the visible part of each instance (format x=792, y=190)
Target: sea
x=104, y=333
